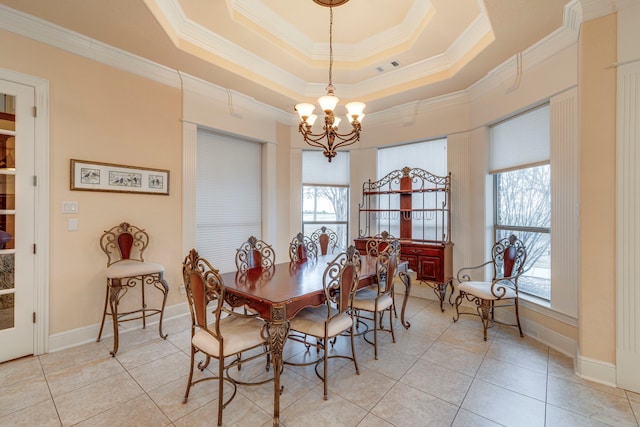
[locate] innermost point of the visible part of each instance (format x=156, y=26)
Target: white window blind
x=428, y=155
x=317, y=170
x=228, y=196
x=522, y=141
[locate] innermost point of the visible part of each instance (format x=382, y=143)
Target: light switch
x=69, y=207
x=72, y=224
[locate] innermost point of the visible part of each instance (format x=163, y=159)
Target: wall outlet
x=182, y=290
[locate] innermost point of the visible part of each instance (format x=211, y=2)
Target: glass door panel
x=7, y=211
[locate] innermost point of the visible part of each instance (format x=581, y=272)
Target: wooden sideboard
x=413, y=205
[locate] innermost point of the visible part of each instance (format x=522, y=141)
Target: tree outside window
x=523, y=208
x=326, y=205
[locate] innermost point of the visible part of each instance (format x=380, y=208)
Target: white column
x=189, y=156
x=628, y=228
x=564, y=202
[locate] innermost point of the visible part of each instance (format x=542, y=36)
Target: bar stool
x=124, y=245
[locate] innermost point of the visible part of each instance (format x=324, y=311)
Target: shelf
x=405, y=210
x=420, y=190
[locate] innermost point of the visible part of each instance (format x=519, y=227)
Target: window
x=325, y=194
x=228, y=196
x=523, y=208
x=522, y=196
x=428, y=155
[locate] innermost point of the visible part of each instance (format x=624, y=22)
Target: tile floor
x=438, y=373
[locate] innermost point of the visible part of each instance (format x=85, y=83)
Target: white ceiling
x=277, y=50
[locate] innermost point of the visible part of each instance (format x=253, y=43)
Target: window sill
x=544, y=308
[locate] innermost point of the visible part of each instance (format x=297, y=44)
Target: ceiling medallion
x=331, y=3
x=329, y=139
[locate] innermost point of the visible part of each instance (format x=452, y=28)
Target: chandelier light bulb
x=304, y=110
x=311, y=119
x=328, y=102
x=355, y=109
x=336, y=122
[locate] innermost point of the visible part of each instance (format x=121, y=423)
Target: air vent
x=386, y=67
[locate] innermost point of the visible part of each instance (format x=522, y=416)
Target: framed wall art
x=97, y=176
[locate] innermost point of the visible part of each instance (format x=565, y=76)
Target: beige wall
x=597, y=93
x=98, y=113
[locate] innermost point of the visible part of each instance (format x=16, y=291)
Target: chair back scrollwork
x=340, y=280
x=326, y=240
x=509, y=255
x=124, y=241
x=379, y=243
x=205, y=290
x=302, y=248
x=254, y=253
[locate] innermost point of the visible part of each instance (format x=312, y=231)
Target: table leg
x=278, y=330
x=406, y=280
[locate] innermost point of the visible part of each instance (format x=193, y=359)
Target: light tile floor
x=438, y=373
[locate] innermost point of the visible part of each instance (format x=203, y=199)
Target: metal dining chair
x=334, y=317
x=225, y=337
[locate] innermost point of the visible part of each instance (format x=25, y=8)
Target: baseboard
x=595, y=370
x=87, y=334
x=550, y=338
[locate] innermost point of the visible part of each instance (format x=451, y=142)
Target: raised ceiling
x=386, y=53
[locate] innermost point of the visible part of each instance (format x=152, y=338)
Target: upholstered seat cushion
x=131, y=268
x=483, y=290
x=239, y=334
x=365, y=299
x=311, y=321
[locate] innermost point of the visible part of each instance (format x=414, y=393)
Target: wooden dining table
x=280, y=292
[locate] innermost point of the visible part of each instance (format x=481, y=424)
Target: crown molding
x=408, y=113
x=575, y=13
x=237, y=103
x=54, y=35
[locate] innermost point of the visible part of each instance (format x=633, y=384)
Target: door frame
x=41, y=205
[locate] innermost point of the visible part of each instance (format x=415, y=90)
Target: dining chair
x=302, y=248
x=124, y=245
x=254, y=253
x=508, y=257
x=374, y=300
x=225, y=335
x=325, y=239
x=334, y=317
x=376, y=244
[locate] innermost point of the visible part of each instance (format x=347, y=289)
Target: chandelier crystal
x=330, y=139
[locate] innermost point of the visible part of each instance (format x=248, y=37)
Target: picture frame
x=109, y=177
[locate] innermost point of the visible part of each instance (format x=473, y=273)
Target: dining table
x=278, y=293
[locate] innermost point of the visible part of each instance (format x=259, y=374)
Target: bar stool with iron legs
x=124, y=245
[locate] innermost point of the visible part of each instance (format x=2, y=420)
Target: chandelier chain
x=330, y=47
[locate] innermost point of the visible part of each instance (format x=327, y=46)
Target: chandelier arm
x=347, y=141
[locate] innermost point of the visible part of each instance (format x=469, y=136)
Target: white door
x=17, y=201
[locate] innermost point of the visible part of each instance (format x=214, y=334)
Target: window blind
x=228, y=196
x=317, y=170
x=519, y=142
x=428, y=155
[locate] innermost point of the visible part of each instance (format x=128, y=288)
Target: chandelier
x=330, y=139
